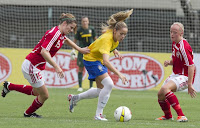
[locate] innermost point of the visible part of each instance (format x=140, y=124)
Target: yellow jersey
x=103, y=45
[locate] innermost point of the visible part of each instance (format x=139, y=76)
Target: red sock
x=27, y=89
x=172, y=99
x=35, y=105
x=165, y=106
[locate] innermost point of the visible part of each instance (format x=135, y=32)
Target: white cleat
x=100, y=117
x=80, y=89
x=71, y=102
x=182, y=119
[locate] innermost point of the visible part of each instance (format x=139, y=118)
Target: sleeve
x=187, y=54
x=49, y=40
x=105, y=46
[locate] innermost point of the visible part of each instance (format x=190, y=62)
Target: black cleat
x=5, y=89
x=33, y=115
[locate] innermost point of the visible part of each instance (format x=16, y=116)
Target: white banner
x=197, y=77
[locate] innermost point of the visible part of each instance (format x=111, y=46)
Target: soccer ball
x=122, y=114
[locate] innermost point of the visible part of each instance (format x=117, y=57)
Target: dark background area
x=149, y=29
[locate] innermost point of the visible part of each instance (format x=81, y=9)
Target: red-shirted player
x=35, y=62
x=182, y=76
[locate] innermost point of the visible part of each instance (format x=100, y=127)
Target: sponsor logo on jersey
x=69, y=68
x=142, y=72
x=5, y=68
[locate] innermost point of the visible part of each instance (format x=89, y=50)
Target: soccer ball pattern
x=122, y=114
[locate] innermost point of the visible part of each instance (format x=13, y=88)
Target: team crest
x=90, y=31
x=100, y=68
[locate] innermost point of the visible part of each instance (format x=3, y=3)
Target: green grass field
x=143, y=105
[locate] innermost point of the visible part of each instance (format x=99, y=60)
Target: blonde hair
x=180, y=25
x=116, y=21
x=69, y=18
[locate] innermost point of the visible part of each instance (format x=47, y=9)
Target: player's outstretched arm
x=85, y=50
x=46, y=55
x=107, y=63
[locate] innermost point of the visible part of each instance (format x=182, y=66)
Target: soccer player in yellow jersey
x=97, y=62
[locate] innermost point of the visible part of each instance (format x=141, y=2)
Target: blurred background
x=23, y=22
x=148, y=44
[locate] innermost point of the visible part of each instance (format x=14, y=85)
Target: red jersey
x=52, y=41
x=182, y=56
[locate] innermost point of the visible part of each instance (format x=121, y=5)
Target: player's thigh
x=99, y=85
x=181, y=82
x=169, y=86
x=175, y=83
x=33, y=75
x=100, y=78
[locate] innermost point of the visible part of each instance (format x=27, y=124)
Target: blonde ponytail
x=117, y=18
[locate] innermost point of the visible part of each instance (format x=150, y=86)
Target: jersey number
x=58, y=44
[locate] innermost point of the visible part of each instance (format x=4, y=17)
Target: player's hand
x=84, y=50
x=73, y=54
x=117, y=54
x=59, y=72
x=123, y=78
x=192, y=91
x=166, y=63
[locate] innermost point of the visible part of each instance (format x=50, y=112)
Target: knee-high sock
x=165, y=106
x=35, y=105
x=26, y=89
x=104, y=95
x=172, y=99
x=89, y=94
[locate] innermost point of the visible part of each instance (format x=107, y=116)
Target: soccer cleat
x=182, y=119
x=80, y=89
x=5, y=89
x=100, y=117
x=33, y=115
x=72, y=102
x=164, y=118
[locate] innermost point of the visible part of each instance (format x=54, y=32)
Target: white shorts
x=34, y=76
x=181, y=81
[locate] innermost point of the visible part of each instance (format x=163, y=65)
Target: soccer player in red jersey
x=34, y=64
x=182, y=76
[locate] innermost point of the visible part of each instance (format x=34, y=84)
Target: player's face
x=176, y=33
x=68, y=28
x=85, y=23
x=120, y=34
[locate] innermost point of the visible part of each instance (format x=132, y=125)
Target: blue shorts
x=94, y=68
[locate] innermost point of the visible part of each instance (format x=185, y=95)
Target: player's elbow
x=106, y=62
x=43, y=51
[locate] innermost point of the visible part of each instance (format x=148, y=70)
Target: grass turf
x=143, y=105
